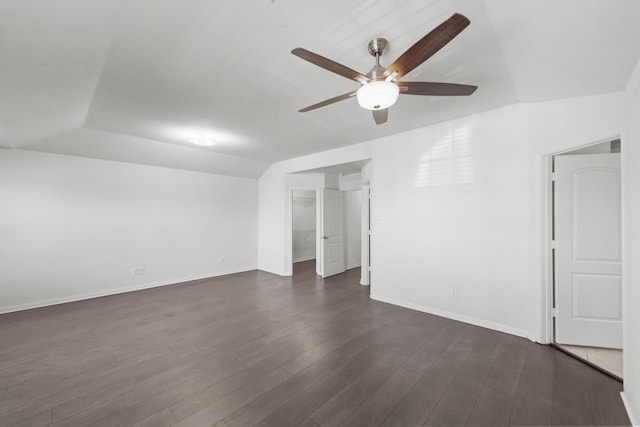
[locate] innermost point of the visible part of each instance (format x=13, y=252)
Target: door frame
x=289, y=229
x=365, y=235
x=547, y=294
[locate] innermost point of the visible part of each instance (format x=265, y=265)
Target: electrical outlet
x=454, y=293
x=137, y=271
x=222, y=260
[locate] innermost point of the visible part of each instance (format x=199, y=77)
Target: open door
x=588, y=267
x=332, y=241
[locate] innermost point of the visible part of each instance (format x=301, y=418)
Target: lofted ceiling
x=134, y=80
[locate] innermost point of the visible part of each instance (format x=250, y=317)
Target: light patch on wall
x=448, y=162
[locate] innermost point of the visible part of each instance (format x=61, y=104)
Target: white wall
x=352, y=202
x=450, y=214
x=304, y=225
x=352, y=181
x=631, y=247
x=332, y=180
x=73, y=227
x=474, y=224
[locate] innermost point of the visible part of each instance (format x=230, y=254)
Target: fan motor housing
x=378, y=46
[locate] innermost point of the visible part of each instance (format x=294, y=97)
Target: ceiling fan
x=381, y=86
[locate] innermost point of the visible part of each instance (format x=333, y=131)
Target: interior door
x=588, y=267
x=332, y=240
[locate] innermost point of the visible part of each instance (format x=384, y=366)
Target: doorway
x=586, y=254
x=326, y=229
x=347, y=242
x=303, y=229
x=352, y=203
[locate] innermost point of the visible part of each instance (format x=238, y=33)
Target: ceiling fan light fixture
x=378, y=95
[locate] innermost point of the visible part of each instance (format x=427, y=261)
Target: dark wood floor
x=254, y=348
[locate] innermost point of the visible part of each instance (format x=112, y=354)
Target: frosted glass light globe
x=378, y=95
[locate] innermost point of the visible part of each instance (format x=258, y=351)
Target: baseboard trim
x=627, y=405
x=309, y=258
x=272, y=271
x=455, y=316
x=116, y=291
x=349, y=267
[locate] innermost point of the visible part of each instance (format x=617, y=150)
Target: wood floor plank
x=360, y=362
x=435, y=346
x=571, y=403
x=505, y=373
x=606, y=402
x=276, y=397
x=533, y=401
x=163, y=418
x=456, y=404
x=336, y=409
x=296, y=410
x=254, y=348
x=313, y=355
x=491, y=409
x=90, y=415
x=458, y=401
x=39, y=420
x=221, y=408
x=381, y=403
x=210, y=394
x=416, y=406
x=307, y=422
x=81, y=390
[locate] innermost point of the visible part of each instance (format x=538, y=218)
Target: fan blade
x=330, y=65
x=328, y=102
x=428, y=46
x=435, y=89
x=380, y=116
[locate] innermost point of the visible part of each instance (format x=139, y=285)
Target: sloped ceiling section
x=135, y=80
x=101, y=144
x=51, y=59
x=566, y=49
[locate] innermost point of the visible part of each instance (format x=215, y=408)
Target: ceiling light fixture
x=202, y=141
x=378, y=95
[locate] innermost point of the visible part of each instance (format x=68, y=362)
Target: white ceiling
x=133, y=80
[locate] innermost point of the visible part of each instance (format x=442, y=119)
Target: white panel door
x=332, y=233
x=588, y=265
